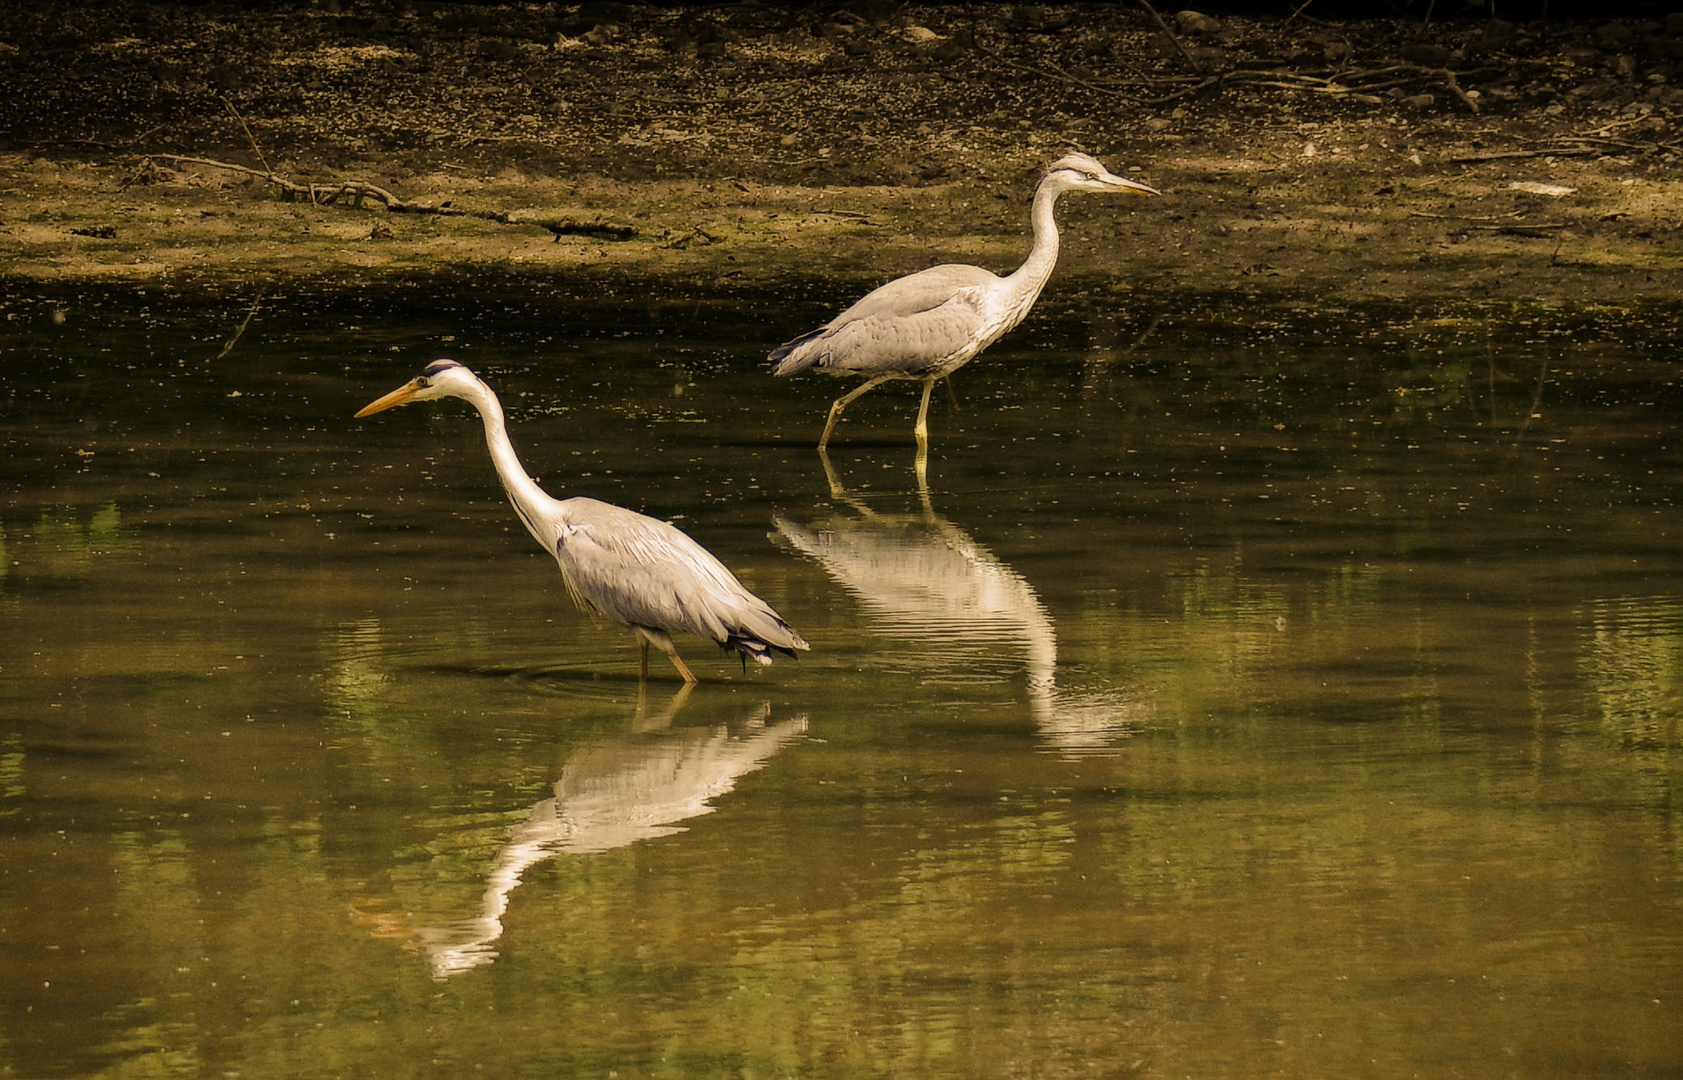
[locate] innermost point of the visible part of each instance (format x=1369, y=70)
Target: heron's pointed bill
x=397, y=397
x=1131, y=187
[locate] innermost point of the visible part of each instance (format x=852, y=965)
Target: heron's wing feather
x=639, y=571
x=908, y=326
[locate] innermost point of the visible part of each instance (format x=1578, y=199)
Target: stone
x=1196, y=22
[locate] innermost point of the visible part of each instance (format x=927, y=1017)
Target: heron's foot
x=684, y=670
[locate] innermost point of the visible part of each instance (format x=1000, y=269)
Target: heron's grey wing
x=908, y=326
x=639, y=571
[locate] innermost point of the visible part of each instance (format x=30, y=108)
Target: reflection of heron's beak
x=397, y=397
x=1130, y=187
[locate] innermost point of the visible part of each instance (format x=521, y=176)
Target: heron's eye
x=422, y=382
x=1092, y=176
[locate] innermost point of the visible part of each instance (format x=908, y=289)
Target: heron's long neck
x=1025, y=284
x=528, y=498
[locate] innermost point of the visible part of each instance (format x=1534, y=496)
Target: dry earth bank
x=1477, y=160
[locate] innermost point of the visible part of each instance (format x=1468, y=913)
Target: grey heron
x=632, y=569
x=929, y=324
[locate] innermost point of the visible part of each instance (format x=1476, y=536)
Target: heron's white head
x=1078, y=172
x=441, y=378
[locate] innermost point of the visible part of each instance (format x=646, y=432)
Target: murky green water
x=1285, y=692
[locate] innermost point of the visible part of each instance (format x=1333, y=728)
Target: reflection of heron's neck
x=1031, y=277
x=529, y=500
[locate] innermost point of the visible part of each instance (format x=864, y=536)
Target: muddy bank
x=1475, y=160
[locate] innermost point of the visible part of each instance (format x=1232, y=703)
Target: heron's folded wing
x=910, y=324
x=641, y=571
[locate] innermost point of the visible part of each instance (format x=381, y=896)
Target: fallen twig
x=258, y=150
x=1542, y=230
x=1572, y=146
x=355, y=191
x=1178, y=94
x=235, y=340
x=1147, y=331
x=1455, y=88
x=1330, y=88
x=1173, y=40
x=1056, y=72
x=1298, y=10
x=1541, y=151
x=596, y=231
x=1600, y=130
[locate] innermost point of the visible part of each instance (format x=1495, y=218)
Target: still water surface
x=1251, y=690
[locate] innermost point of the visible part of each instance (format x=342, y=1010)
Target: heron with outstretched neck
x=639, y=572
x=929, y=324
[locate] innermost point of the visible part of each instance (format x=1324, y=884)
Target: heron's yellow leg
x=843, y=402
x=683, y=669
x=664, y=643
x=922, y=429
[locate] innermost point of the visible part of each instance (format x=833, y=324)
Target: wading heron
x=642, y=573
x=929, y=324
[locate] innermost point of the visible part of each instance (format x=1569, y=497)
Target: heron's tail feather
x=792, y=359
x=759, y=650
x=750, y=644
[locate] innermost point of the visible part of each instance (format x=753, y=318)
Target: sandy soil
x=1468, y=160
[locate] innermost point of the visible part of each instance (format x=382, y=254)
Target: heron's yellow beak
x=397, y=397
x=1133, y=187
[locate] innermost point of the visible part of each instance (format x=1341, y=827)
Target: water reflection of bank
x=64, y=544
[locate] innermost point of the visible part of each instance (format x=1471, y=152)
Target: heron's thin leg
x=843, y=402
x=920, y=466
x=922, y=429
x=662, y=641
x=683, y=669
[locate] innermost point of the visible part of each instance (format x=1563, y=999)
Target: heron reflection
x=923, y=579
x=639, y=786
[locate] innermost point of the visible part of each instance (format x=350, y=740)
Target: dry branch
x=1572, y=146
x=235, y=340
x=1173, y=40
x=1455, y=88
x=1505, y=155
x=355, y=191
